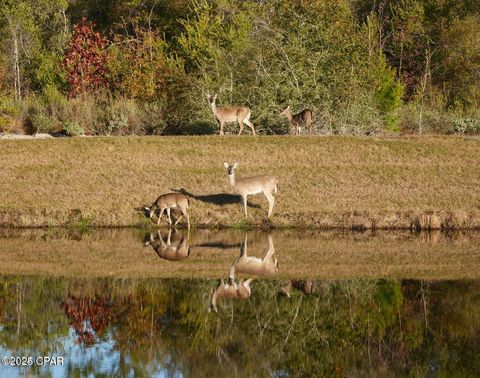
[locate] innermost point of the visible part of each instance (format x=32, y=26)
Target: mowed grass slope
x=351, y=182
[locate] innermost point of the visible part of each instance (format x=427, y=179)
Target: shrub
x=73, y=128
x=466, y=125
x=123, y=117
x=9, y=111
x=152, y=118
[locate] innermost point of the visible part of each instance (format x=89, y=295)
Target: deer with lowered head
x=305, y=117
x=172, y=249
x=230, y=290
x=254, y=265
x=167, y=202
x=246, y=186
x=240, y=114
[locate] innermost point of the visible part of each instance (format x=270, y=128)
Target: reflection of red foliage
x=2, y=315
x=85, y=59
x=89, y=316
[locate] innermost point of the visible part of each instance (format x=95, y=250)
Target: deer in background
x=176, y=249
x=167, y=202
x=230, y=290
x=252, y=185
x=306, y=287
x=296, y=120
x=240, y=114
x=253, y=265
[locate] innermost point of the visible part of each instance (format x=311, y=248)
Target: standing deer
x=231, y=114
x=253, y=265
x=230, y=290
x=176, y=249
x=296, y=120
x=167, y=202
x=252, y=185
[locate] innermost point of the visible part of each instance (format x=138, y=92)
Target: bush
x=73, y=128
x=124, y=117
x=466, y=125
x=9, y=112
x=86, y=112
x=152, y=118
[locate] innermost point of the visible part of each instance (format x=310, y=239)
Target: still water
x=239, y=304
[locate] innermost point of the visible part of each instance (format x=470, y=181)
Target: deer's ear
x=215, y=96
x=235, y=165
x=288, y=107
x=225, y=164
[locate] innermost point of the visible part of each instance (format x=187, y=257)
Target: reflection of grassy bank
x=329, y=255
x=422, y=182
x=344, y=328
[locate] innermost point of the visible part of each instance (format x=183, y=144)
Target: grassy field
x=300, y=254
x=347, y=182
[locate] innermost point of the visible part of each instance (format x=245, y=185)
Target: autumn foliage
x=89, y=317
x=85, y=60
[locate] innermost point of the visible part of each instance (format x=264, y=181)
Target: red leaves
x=85, y=60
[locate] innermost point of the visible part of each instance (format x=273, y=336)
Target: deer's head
x=148, y=211
x=212, y=99
x=230, y=167
x=286, y=110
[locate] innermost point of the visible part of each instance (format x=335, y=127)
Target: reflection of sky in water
x=102, y=358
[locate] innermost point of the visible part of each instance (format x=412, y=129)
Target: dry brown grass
x=347, y=182
x=306, y=254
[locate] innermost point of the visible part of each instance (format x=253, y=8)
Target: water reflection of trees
x=354, y=327
x=88, y=316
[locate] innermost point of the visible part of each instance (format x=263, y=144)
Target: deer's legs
x=184, y=213
x=231, y=275
x=250, y=125
x=221, y=127
x=178, y=220
x=169, y=217
x=244, y=201
x=160, y=216
x=241, y=126
x=271, y=248
x=271, y=201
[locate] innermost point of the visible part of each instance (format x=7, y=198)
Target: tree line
x=147, y=66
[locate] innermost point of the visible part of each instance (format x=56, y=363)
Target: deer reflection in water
x=254, y=265
x=248, y=265
x=230, y=290
x=174, y=248
x=306, y=287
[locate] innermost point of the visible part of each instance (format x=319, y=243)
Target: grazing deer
x=252, y=185
x=231, y=114
x=296, y=120
x=167, y=202
x=178, y=250
x=253, y=265
x=240, y=291
x=306, y=287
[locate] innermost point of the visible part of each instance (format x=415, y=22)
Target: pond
x=234, y=303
